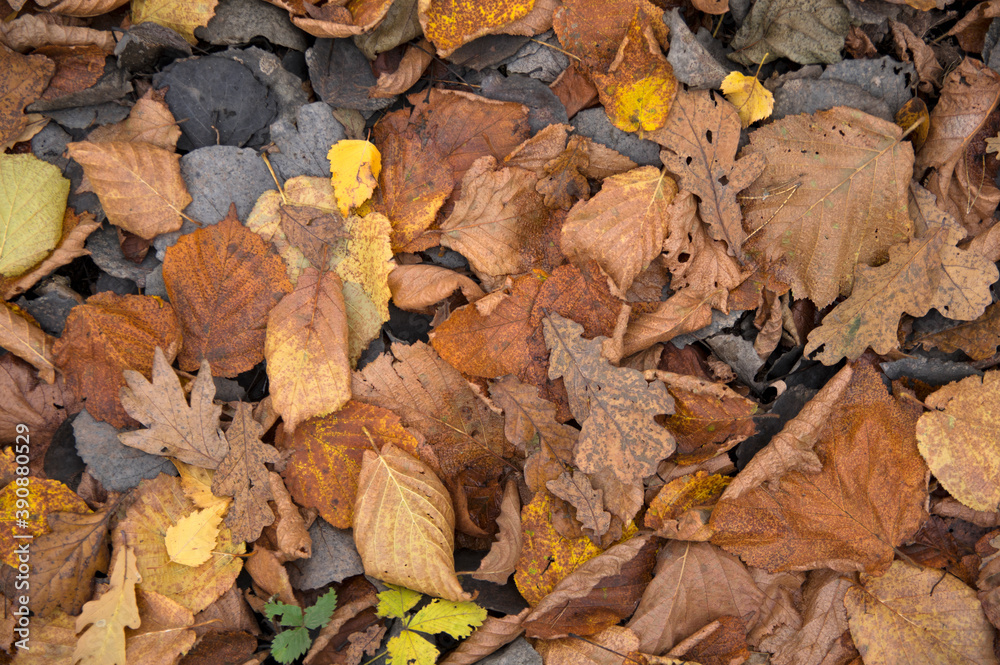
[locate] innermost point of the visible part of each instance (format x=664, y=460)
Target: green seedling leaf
x=287, y=646
x=291, y=615
x=319, y=614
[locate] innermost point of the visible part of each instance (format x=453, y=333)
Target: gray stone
x=266, y=67
x=544, y=108
x=155, y=285
x=82, y=117
x=50, y=145
x=117, y=466
x=305, y=144
x=886, y=78
x=809, y=95
x=228, y=390
x=52, y=306
x=334, y=558
x=239, y=21
x=118, y=285
x=144, y=45
x=106, y=252
x=518, y=652
x=739, y=354
x=113, y=86
x=539, y=61
x=929, y=370
x=594, y=123
x=692, y=62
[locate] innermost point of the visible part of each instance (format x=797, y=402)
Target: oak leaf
x=926, y=272
x=354, y=170
x=24, y=79
x=624, y=225
x=911, y=609
x=866, y=499
x=960, y=439
x=306, y=349
x=191, y=540
x=325, y=454
x=222, y=282
x=752, y=100
x=615, y=405
x=103, y=643
x=20, y=335
x=107, y=335
x=401, y=500
x=46, y=496
x=599, y=593
x=700, y=139
x=831, y=197
x=431, y=397
x=31, y=211
x=575, y=489
x=181, y=16
x=242, y=475
x=189, y=433
x=449, y=24
x=139, y=184
x=159, y=504
x=501, y=560
x=546, y=556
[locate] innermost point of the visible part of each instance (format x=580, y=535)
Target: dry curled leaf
x=22, y=337
x=502, y=558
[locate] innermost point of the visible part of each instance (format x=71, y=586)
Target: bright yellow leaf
x=354, y=169
x=190, y=542
x=752, y=100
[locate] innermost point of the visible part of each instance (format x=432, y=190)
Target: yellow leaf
x=103, y=643
x=409, y=648
x=190, y=542
x=752, y=100
x=182, y=16
x=354, y=169
x=197, y=484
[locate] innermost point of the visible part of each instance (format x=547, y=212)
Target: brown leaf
x=419, y=286
x=334, y=20
x=807, y=206
x=409, y=71
x=270, y=575
x=623, y=227
x=824, y=621
x=609, y=647
x=910, y=47
x=487, y=638
x=149, y=121
x=498, y=221
x=694, y=584
x=22, y=81
x=30, y=401
x=242, y=475
x=81, y=7
x=109, y=615
x=76, y=230
x=927, y=272
x=306, y=349
x=576, y=490
x=324, y=457
x=20, y=335
x=911, y=610
x=189, y=433
x=222, y=281
x=30, y=31
x=680, y=511
x=401, y=500
x=107, y=335
x=165, y=631
x=139, y=184
x=502, y=558
x=979, y=339
x=701, y=137
x=77, y=68
x=597, y=594
x=962, y=179
x=292, y=538
x=685, y=311
x=431, y=397
x=615, y=405
x=313, y=230
x=866, y=500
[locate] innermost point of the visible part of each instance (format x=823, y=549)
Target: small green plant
x=290, y=644
x=440, y=616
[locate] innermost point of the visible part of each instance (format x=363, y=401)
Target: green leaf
x=445, y=616
x=408, y=648
x=396, y=602
x=290, y=644
x=291, y=615
x=319, y=614
x=32, y=203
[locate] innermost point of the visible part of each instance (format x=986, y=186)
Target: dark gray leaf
x=342, y=76
x=117, y=466
x=334, y=558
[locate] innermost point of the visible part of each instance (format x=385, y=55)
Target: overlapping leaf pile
x=692, y=402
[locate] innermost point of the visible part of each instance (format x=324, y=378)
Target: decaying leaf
x=103, y=643
x=181, y=16
x=502, y=558
x=23, y=338
x=450, y=24
x=804, y=32
x=24, y=79
x=400, y=500
x=576, y=490
x=615, y=405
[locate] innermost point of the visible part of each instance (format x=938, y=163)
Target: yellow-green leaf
x=409, y=648
x=32, y=202
x=354, y=169
x=444, y=616
x=397, y=601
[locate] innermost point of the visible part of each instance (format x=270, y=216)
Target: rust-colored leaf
x=22, y=81
x=833, y=195
x=20, y=335
x=452, y=23
x=979, y=339
x=615, y=405
x=400, y=500
x=139, y=184
x=576, y=490
x=867, y=498
x=109, y=334
x=77, y=68
x=326, y=453
x=418, y=286
x=306, y=349
x=502, y=558
x=222, y=281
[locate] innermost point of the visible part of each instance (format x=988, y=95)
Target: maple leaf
x=927, y=271
x=401, y=500
x=959, y=440
x=103, y=643
x=139, y=184
x=354, y=170
x=850, y=515
x=615, y=405
x=914, y=608
x=189, y=433
x=827, y=205
x=306, y=349
x=222, y=282
x=31, y=211
x=624, y=225
x=242, y=475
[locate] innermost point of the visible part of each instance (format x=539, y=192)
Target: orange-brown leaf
x=22, y=81
x=502, y=558
x=21, y=336
x=46, y=496
x=417, y=287
x=492, y=635
x=979, y=339
x=452, y=23
x=708, y=417
x=149, y=121
x=223, y=281
x=867, y=499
